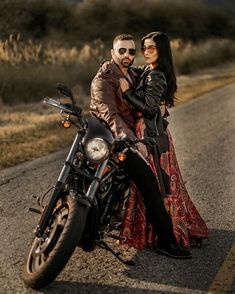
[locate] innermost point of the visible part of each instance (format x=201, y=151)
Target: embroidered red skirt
x=137, y=231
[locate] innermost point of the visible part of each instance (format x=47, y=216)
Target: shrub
x=189, y=57
x=30, y=70
x=102, y=19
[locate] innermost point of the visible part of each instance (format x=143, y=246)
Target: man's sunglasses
x=122, y=51
x=150, y=49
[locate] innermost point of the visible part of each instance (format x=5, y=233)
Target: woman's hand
x=162, y=108
x=124, y=85
x=104, y=65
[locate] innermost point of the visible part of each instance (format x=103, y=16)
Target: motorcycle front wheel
x=49, y=254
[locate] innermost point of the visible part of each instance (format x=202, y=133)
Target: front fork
x=59, y=187
x=60, y=184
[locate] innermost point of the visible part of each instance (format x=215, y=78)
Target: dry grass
x=31, y=131
x=189, y=57
x=27, y=135
x=14, y=51
x=194, y=85
x=29, y=69
x=29, y=146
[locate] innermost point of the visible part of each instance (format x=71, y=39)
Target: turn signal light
x=121, y=156
x=66, y=123
x=107, y=169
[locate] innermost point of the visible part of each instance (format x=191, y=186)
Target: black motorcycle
x=86, y=203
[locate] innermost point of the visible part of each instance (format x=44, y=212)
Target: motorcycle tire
x=48, y=256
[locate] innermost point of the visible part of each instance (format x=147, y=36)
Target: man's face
x=123, y=53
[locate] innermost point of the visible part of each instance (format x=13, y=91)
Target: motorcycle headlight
x=96, y=150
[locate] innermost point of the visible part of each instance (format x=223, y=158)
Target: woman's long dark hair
x=164, y=63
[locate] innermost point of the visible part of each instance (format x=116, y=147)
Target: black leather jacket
x=146, y=98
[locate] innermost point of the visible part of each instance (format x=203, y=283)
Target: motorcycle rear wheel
x=48, y=255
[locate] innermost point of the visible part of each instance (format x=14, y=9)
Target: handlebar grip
x=50, y=101
x=68, y=108
x=46, y=99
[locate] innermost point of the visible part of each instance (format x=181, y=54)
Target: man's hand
x=142, y=149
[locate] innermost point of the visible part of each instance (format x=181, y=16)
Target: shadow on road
x=78, y=288
x=197, y=273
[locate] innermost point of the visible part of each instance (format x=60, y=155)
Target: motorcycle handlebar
x=52, y=102
x=68, y=108
x=129, y=142
x=125, y=144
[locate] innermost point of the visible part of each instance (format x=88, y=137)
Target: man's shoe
x=174, y=251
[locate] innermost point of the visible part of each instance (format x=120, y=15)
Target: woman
x=155, y=91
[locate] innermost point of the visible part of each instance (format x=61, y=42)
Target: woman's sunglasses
x=150, y=49
x=122, y=51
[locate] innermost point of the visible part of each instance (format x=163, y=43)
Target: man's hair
x=122, y=37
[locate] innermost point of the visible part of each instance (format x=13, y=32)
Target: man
x=107, y=104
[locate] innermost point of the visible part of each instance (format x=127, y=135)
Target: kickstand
x=104, y=245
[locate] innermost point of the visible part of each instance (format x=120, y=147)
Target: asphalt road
x=204, y=135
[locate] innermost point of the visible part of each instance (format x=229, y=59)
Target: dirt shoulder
x=204, y=81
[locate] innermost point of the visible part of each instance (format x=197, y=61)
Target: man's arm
x=104, y=106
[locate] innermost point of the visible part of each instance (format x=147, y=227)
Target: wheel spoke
x=63, y=213
x=36, y=263
x=43, y=247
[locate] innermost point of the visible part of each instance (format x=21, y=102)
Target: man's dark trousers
x=145, y=180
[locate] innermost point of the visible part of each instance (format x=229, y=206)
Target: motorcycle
x=86, y=204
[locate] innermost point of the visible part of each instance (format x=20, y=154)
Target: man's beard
x=126, y=62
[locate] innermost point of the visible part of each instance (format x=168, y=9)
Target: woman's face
x=150, y=52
